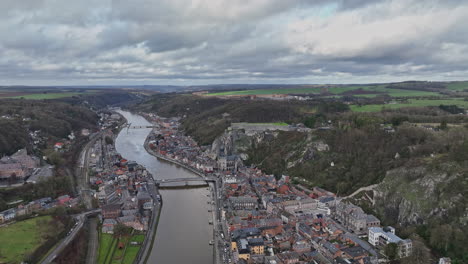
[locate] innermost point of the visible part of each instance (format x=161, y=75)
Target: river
x=183, y=231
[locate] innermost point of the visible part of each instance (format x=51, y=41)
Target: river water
x=183, y=233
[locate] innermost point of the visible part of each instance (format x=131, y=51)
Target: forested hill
x=54, y=119
x=205, y=118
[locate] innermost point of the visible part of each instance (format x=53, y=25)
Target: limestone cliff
x=295, y=147
x=416, y=195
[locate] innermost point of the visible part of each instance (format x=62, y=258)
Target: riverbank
x=216, y=219
x=173, y=161
x=148, y=242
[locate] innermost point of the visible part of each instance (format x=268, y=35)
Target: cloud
x=205, y=41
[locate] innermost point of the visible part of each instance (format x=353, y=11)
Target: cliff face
x=417, y=195
x=274, y=151
x=237, y=142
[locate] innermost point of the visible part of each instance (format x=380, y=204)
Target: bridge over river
x=129, y=126
x=173, y=182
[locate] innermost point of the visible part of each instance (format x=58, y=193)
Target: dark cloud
x=182, y=41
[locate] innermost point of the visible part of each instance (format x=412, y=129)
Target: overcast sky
x=57, y=42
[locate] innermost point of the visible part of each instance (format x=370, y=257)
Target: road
x=362, y=189
x=147, y=243
x=92, y=242
x=83, y=171
x=64, y=242
x=204, y=179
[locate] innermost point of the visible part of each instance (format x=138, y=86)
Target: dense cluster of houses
x=270, y=220
x=37, y=206
x=107, y=120
x=121, y=188
x=170, y=142
x=293, y=224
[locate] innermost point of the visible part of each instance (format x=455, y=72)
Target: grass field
x=42, y=96
x=131, y=254
x=373, y=90
x=118, y=255
x=458, y=86
x=19, y=239
x=411, y=103
x=381, y=89
x=314, y=90
x=138, y=238
x=106, y=241
x=110, y=254
x=408, y=93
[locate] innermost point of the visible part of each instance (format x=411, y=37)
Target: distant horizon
x=215, y=84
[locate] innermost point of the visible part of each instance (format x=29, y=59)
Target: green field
x=43, y=96
x=118, y=255
x=411, y=103
x=106, y=242
x=131, y=254
x=373, y=90
x=381, y=90
x=19, y=239
x=407, y=93
x=458, y=86
x=138, y=238
x=109, y=252
x=314, y=90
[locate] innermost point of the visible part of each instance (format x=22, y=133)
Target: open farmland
x=458, y=86
x=354, y=90
x=411, y=103
x=19, y=239
x=41, y=94
x=309, y=90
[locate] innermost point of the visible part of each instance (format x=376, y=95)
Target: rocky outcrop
x=239, y=142
x=415, y=195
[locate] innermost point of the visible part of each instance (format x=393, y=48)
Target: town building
x=108, y=226
x=10, y=170
x=111, y=211
x=354, y=218
x=243, y=203
x=380, y=237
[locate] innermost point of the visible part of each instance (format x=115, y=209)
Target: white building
x=382, y=236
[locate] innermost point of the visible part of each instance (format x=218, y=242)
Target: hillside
x=430, y=199
x=206, y=118
x=55, y=120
